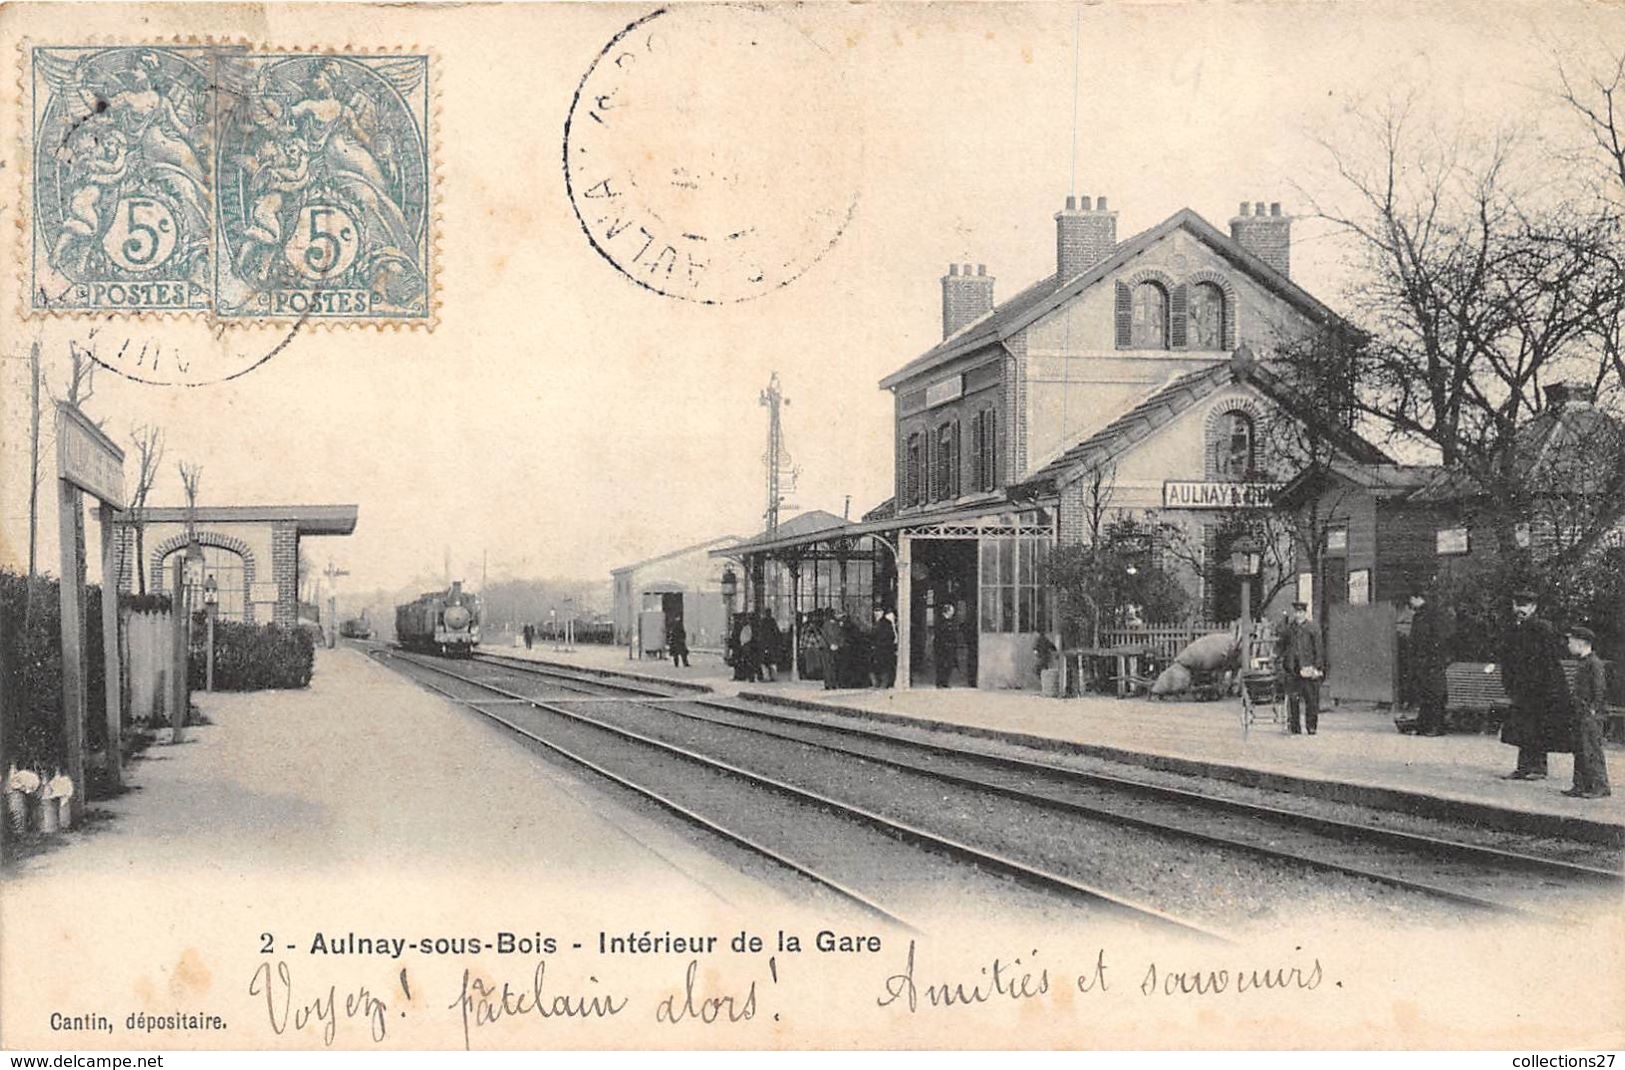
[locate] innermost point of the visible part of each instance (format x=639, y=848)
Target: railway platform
x=360, y=772
x=1357, y=756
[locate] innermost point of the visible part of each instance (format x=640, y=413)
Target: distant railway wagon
x=356, y=628
x=440, y=622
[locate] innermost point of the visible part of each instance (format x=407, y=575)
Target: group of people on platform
x=836, y=647
x=756, y=647
x=1547, y=713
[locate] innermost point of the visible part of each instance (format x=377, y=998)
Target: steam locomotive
x=440, y=622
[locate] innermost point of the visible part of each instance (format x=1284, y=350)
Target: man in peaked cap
x=1538, y=720
x=1301, y=662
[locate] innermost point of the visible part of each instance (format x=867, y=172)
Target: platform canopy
x=307, y=519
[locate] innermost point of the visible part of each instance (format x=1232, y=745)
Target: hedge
x=250, y=657
x=31, y=668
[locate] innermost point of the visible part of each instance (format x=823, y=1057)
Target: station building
x=1136, y=360
x=682, y=584
x=252, y=551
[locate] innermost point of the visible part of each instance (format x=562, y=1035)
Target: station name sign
x=87, y=458
x=944, y=391
x=1215, y=494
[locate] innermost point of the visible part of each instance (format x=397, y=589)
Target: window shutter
x=1178, y=308
x=976, y=452
x=1228, y=303
x=992, y=428
x=1125, y=316
x=954, y=464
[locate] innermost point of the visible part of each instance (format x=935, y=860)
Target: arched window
x=1149, y=328
x=1235, y=447
x=231, y=580
x=1206, y=316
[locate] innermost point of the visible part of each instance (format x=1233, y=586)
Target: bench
x=1471, y=693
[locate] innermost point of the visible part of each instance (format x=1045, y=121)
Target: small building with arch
x=252, y=551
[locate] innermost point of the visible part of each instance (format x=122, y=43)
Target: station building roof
x=723, y=541
x=1016, y=313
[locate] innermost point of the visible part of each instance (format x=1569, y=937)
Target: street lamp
x=1246, y=559
x=211, y=606
x=730, y=588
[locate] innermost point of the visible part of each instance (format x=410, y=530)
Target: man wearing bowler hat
x=1303, y=667
x=1590, y=685
x=1538, y=720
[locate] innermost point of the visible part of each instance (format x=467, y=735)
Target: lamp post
x=211, y=606
x=1246, y=558
x=730, y=587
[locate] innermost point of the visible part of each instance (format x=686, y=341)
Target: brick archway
x=206, y=538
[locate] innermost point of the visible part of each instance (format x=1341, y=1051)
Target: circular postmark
x=711, y=153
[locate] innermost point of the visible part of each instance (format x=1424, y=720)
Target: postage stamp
x=671, y=175
x=249, y=185
x=122, y=187
x=324, y=182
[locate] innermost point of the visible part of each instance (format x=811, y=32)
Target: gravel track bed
x=897, y=876
x=1563, y=850
x=1537, y=891
x=1204, y=883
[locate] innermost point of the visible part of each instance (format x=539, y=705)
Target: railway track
x=1473, y=875
x=787, y=835
x=1468, y=875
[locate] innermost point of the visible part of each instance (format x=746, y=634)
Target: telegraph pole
x=332, y=575
x=773, y=398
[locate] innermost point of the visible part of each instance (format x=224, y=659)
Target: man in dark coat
x=1537, y=722
x=1303, y=667
x=746, y=665
x=834, y=651
x=677, y=643
x=945, y=643
x=1427, y=658
x=883, y=649
x=1590, y=689
x=770, y=639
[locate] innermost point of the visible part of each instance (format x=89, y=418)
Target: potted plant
x=61, y=788
x=20, y=785
x=49, y=812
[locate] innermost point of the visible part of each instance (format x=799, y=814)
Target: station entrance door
x=943, y=645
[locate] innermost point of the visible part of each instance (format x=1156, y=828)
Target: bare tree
x=191, y=476
x=149, y=452
x=1480, y=289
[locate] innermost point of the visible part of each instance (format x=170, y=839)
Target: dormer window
x=1149, y=325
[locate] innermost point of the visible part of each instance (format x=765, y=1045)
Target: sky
x=561, y=421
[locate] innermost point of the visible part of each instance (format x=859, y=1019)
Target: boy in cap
x=1590, y=685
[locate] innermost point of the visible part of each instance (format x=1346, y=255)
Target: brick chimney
x=1561, y=395
x=1267, y=235
x=1084, y=236
x=965, y=296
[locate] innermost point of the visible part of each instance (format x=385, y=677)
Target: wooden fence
x=1165, y=640
x=149, y=660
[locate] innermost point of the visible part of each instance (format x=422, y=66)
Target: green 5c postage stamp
x=244, y=184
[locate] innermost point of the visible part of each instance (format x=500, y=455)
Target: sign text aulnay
x=1214, y=494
